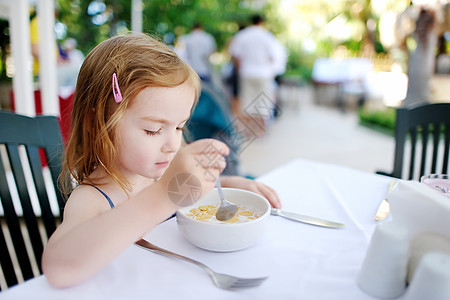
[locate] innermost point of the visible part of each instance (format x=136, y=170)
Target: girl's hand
x=194, y=170
x=252, y=186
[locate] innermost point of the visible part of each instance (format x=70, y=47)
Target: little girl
x=133, y=98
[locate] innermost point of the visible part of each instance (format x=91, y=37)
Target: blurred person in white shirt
x=75, y=55
x=68, y=70
x=254, y=51
x=196, y=48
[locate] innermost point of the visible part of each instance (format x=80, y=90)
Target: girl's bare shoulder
x=86, y=200
x=84, y=203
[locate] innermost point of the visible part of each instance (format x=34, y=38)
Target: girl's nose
x=171, y=144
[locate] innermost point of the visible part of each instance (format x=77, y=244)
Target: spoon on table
x=226, y=210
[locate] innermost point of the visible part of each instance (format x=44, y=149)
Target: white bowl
x=226, y=237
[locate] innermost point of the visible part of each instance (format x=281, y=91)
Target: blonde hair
x=139, y=61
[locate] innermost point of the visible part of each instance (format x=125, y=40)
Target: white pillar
x=136, y=15
x=19, y=24
x=48, y=58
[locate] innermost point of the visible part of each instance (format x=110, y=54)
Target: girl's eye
x=150, y=132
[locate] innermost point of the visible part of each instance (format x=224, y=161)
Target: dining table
x=301, y=261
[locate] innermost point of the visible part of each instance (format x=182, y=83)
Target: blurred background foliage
x=382, y=120
x=308, y=28
x=90, y=22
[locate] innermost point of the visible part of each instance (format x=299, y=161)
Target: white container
x=383, y=273
x=431, y=279
x=230, y=236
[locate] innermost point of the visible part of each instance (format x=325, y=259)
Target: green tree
x=4, y=46
x=91, y=21
x=308, y=28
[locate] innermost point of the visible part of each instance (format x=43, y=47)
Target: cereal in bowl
x=207, y=213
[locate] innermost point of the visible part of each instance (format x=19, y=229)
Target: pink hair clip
x=116, y=90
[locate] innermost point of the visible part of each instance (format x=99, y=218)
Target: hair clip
x=116, y=90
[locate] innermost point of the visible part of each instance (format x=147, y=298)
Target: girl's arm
x=92, y=234
x=87, y=240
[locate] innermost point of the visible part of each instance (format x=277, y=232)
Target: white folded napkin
x=425, y=212
x=420, y=208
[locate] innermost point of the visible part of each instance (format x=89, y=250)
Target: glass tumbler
x=439, y=182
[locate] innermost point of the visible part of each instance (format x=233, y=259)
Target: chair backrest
x=211, y=114
x=32, y=206
x=422, y=139
x=213, y=118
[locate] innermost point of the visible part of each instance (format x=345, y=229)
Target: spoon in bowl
x=226, y=210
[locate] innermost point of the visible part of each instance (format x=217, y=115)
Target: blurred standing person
x=75, y=55
x=281, y=58
x=254, y=52
x=233, y=81
x=34, y=40
x=196, y=48
x=68, y=71
x=279, y=69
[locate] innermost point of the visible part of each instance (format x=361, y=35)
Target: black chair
x=30, y=147
x=426, y=131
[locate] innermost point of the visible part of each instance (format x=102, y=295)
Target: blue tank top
x=106, y=196
x=112, y=204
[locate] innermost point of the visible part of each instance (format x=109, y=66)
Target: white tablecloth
x=302, y=261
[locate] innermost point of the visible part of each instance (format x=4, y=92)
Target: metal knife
x=305, y=219
x=384, y=208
